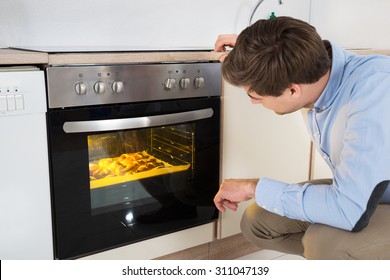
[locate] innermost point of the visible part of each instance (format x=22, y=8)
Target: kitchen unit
x=203, y=231
x=25, y=205
x=265, y=161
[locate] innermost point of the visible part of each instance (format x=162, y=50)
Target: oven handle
x=139, y=122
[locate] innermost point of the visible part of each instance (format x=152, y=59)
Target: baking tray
x=117, y=179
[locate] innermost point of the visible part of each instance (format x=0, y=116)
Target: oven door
x=125, y=173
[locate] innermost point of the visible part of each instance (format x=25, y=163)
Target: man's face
x=283, y=104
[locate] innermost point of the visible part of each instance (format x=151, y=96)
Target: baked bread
x=124, y=165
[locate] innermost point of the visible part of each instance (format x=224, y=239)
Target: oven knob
x=184, y=82
x=117, y=86
x=99, y=87
x=80, y=88
x=199, y=82
x=169, y=83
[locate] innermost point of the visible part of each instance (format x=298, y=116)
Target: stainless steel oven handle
x=139, y=122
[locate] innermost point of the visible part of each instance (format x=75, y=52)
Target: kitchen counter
x=16, y=57
x=131, y=57
x=371, y=51
x=150, y=57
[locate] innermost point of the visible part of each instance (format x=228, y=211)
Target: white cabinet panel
x=259, y=143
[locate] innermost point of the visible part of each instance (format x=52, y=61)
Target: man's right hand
x=234, y=191
x=223, y=41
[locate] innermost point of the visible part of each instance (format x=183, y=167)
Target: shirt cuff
x=269, y=195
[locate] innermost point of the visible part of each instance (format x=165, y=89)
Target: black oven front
x=134, y=152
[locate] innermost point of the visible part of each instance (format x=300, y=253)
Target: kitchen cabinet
x=259, y=143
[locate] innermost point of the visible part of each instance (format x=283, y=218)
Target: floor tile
x=262, y=255
x=270, y=255
x=290, y=257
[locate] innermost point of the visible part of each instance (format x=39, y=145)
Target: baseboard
x=228, y=248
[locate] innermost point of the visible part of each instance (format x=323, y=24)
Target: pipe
x=256, y=7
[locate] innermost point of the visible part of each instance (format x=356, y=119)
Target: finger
x=220, y=207
x=222, y=57
x=219, y=46
x=221, y=43
x=231, y=205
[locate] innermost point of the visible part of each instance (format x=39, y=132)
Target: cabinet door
x=258, y=143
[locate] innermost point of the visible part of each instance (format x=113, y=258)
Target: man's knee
x=271, y=231
x=249, y=225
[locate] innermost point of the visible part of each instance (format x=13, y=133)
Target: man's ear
x=295, y=90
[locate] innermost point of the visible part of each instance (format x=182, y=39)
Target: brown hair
x=270, y=55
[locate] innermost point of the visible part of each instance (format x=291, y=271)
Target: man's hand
x=223, y=41
x=234, y=191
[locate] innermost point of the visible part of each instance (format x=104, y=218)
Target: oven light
x=130, y=217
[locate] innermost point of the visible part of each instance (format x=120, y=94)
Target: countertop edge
x=129, y=57
x=370, y=51
x=20, y=57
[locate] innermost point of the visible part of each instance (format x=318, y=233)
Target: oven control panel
x=72, y=86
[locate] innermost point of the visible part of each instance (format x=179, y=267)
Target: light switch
x=19, y=102
x=3, y=103
x=11, y=103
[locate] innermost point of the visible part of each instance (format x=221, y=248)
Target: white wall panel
x=141, y=25
x=353, y=23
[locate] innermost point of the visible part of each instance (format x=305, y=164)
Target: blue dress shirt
x=350, y=127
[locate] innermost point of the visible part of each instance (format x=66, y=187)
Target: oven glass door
x=125, y=173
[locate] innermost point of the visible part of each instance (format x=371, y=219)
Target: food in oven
x=129, y=167
x=126, y=164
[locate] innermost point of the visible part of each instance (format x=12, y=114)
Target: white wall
x=353, y=23
x=143, y=24
x=175, y=24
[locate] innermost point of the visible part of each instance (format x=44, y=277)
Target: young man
x=284, y=65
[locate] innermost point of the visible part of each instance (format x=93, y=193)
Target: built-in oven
x=134, y=152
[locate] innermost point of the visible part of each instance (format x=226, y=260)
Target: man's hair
x=271, y=55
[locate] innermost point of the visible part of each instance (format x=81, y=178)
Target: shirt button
x=264, y=206
x=316, y=134
x=324, y=156
x=276, y=210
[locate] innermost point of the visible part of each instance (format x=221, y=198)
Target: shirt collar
x=336, y=73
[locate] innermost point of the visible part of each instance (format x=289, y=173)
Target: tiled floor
x=270, y=255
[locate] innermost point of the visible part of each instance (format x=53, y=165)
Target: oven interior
x=120, y=160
